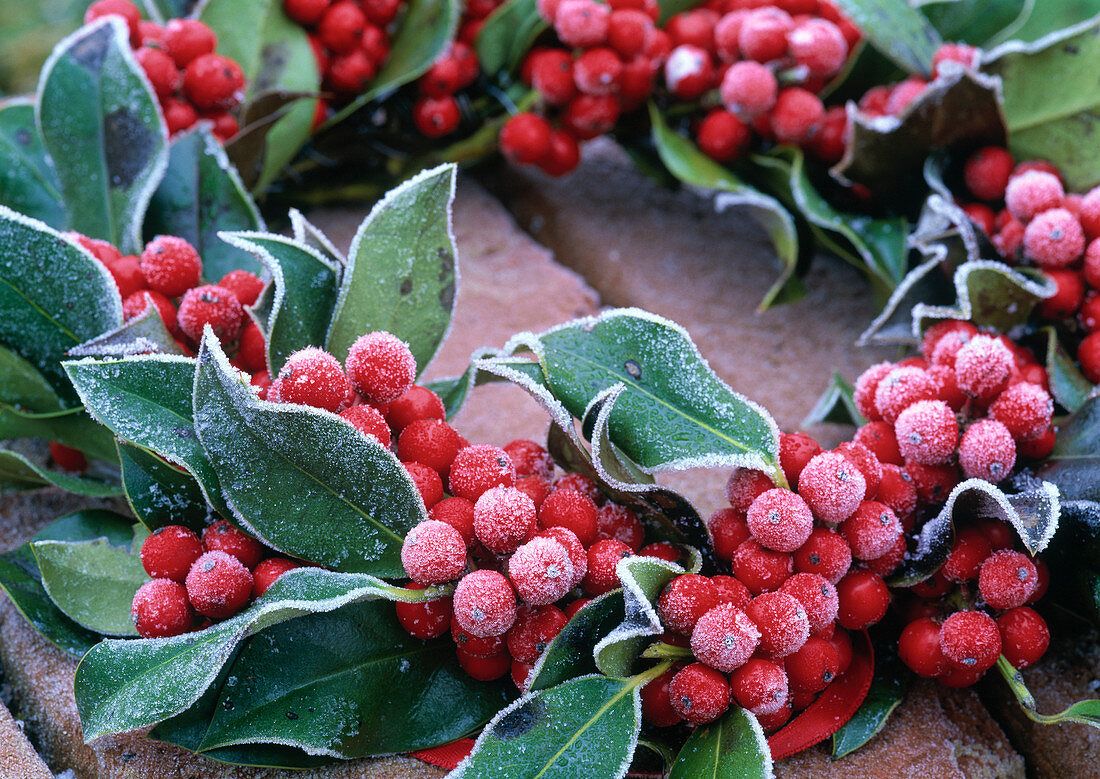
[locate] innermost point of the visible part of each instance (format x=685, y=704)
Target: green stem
x=648, y=675
x=663, y=651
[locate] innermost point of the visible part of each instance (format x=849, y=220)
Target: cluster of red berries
x=195, y=581
x=892, y=99
x=190, y=80
x=761, y=64
x=1037, y=222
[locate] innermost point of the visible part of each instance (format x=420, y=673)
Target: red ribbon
x=446, y=755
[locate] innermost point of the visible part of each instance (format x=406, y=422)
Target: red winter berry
x=689, y=72
x=871, y=531
x=67, y=458
x=503, y=518
x=426, y=619
x=223, y=536
x=897, y=492
x=684, y=600
x=968, y=551
x=436, y=117
x=657, y=707
x=484, y=603
x=597, y=70
x=919, y=648
x=797, y=115
x=416, y=403
x=723, y=137
x=987, y=451
x=619, y=522
x=1054, y=239
x=478, y=646
x=1024, y=636
x=124, y=8
x=759, y=686
x=252, y=351
x=161, y=71
x=170, y=552
x=213, y=82
x=863, y=459
x=369, y=421
x=731, y=590
x=160, y=609
x=433, y=553
x=268, y=571
x=864, y=599
x=727, y=529
x=813, y=667
x=582, y=23
x=782, y=622
x=534, y=487
x=927, y=432
x=218, y=585
x=780, y=520
x=724, y=637
x=1007, y=579
x=749, y=89
x=244, y=285
x=214, y=306
x=179, y=115
x=427, y=483
x=136, y=304
x=902, y=387
x=819, y=46
x=970, y=640
x=380, y=366
x=699, y=693
x=580, y=483
x=761, y=569
x=533, y=631
x=458, y=513
x=825, y=553
x=867, y=386
x=663, y=550
x=744, y=486
x=603, y=557
x=817, y=596
x=578, y=555
x=1024, y=409
x=880, y=439
x=627, y=31
x=573, y=510
x=478, y=468
x=530, y=458
x=983, y=367
x=763, y=34
x=313, y=377
x=525, y=138
x=170, y=265
x=1032, y=193
x=832, y=487
x=541, y=571
x=188, y=39
x=484, y=669
x=430, y=442
x=306, y=12
x=986, y=172
x=795, y=450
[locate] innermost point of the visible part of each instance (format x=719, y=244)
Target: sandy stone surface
x=18, y=760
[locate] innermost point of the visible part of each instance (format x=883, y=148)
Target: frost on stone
x=642, y=579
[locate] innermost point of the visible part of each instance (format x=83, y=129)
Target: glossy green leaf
x=53, y=296
x=642, y=578
x=72, y=427
x=426, y=30
x=836, y=405
x=102, y=127
x=684, y=160
x=126, y=684
x=146, y=401
x=92, y=582
x=17, y=472
x=508, y=34
x=28, y=183
x=349, y=683
x=160, y=494
x=978, y=22
x=22, y=386
x=896, y=29
x=692, y=418
x=201, y=194
x=22, y=581
x=402, y=269
x=1067, y=384
x=302, y=480
x=1074, y=464
x=734, y=746
x=305, y=290
x=569, y=654
x=142, y=334
x=583, y=728
x=887, y=691
x=1050, y=116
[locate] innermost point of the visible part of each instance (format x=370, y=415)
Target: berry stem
x=648, y=675
x=663, y=651
x=1082, y=712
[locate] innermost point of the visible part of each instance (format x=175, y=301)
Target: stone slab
x=18, y=760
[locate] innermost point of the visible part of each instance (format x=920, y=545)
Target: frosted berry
x=656, y=705
x=864, y=599
x=727, y=529
x=170, y=265
x=534, y=487
x=433, y=553
x=1025, y=636
x=795, y=450
x=689, y=72
x=478, y=468
x=832, y=487
x=590, y=116
x=744, y=486
x=684, y=600
x=478, y=646
x=1032, y=193
x=987, y=451
x=572, y=510
x=380, y=366
x=484, y=603
x=825, y=553
x=597, y=71
x=724, y=637
x=970, y=640
x=865, y=388
x=369, y=421
x=1054, y=239
x=459, y=514
x=761, y=569
x=897, y=492
x=749, y=89
x=1007, y=579
x=797, y=115
x=1024, y=409
x=430, y=442
x=158, y=67
x=529, y=458
x=603, y=557
x=780, y=520
x=244, y=285
x=813, y=667
x=927, y=432
x=218, y=585
x=427, y=483
x=541, y=571
x=863, y=459
x=425, y=619
x=503, y=518
x=188, y=39
x=782, y=622
x=967, y=56
x=160, y=609
x=901, y=388
x=268, y=571
x=759, y=686
x=968, y=551
x=663, y=550
x=525, y=138
x=552, y=76
x=533, y=631
x=932, y=482
x=819, y=46
x=313, y=377
x=763, y=34
x=136, y=304
x=880, y=439
x=579, y=483
x=170, y=552
x=699, y=693
x=871, y=531
x=816, y=595
x=619, y=522
x=214, y=306
x=123, y=8
x=578, y=555
x=987, y=171
x=213, y=82
x=627, y=31
x=730, y=590
x=983, y=367
x=223, y=536
x=919, y=648
x=886, y=563
x=415, y=403
x=581, y=23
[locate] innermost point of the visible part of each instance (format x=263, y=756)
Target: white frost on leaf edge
x=641, y=620
x=1039, y=45
x=302, y=230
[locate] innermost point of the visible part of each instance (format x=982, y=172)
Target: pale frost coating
x=305, y=232
x=641, y=618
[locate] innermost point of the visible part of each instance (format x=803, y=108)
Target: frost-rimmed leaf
x=1049, y=112
x=28, y=183
x=300, y=479
x=72, y=427
x=1067, y=384
x=349, y=683
x=402, y=269
x=582, y=728
x=887, y=691
x=53, y=295
x=642, y=578
x=1085, y=712
x=675, y=411
x=1074, y=463
x=200, y=195
x=688, y=164
x=960, y=108
x=22, y=581
x=308, y=234
x=125, y=684
x=23, y=386
x=19, y=473
x=143, y=334
x=92, y=582
x=734, y=746
x=836, y=405
x=569, y=653
x=146, y=401
x=305, y=290
x=453, y=390
x=1033, y=512
x=977, y=22
x=100, y=123
x=896, y=29
x=507, y=35
x=160, y=494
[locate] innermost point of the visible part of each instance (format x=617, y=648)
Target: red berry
x=969, y=550
x=724, y=637
x=619, y=522
x=723, y=137
x=603, y=557
x=879, y=438
x=780, y=520
x=534, y=487
x=578, y=556
x=533, y=630
x=436, y=117
x=430, y=442
x=1025, y=410
x=268, y=571
x=814, y=666
x=477, y=646
x=170, y=265
x=864, y=599
x=832, y=486
x=797, y=115
x=689, y=72
x=590, y=116
x=186, y=40
x=863, y=459
x=816, y=595
x=825, y=553
x=795, y=450
x=503, y=518
x=871, y=531
x=932, y=482
x=597, y=70
x=727, y=529
x=127, y=10
x=485, y=669
x=657, y=707
x=170, y=552
x=433, y=553
x=1054, y=239
x=484, y=603
x=759, y=686
x=919, y=648
x=525, y=138
x=369, y=421
x=218, y=585
x=819, y=46
x=427, y=483
x=179, y=115
x=983, y=367
x=897, y=492
x=380, y=366
x=214, y=306
x=663, y=550
x=970, y=640
x=138, y=302
x=763, y=34
x=161, y=609
x=927, y=432
x=866, y=387
x=529, y=458
x=1024, y=636
x=580, y=483
x=730, y=590
x=161, y=71
x=699, y=694
x=552, y=76
x=313, y=377
x=582, y=23
x=684, y=600
x=213, y=82
x=341, y=26
x=541, y=571
x=987, y=451
x=415, y=403
x=627, y=30
x=986, y=172
x=306, y=12
x=67, y=458
x=782, y=621
x=1032, y=193
x=478, y=468
x=458, y=513
x=761, y=569
x=901, y=388
x=573, y=510
x=223, y=536
x=1007, y=579
x=244, y=285
x=694, y=27
x=744, y=486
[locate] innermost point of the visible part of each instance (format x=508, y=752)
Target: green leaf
x=1055, y=17
x=102, y=127
x=72, y=427
x=670, y=8
x=583, y=728
x=23, y=386
x=887, y=690
x=836, y=405
x=363, y=687
x=896, y=29
x=1067, y=384
x=53, y=295
x=1049, y=114
x=22, y=581
x=161, y=11
x=200, y=195
x=1085, y=712
x=734, y=746
x=684, y=160
x=642, y=578
x=426, y=30
x=308, y=234
x=160, y=494
x=17, y=472
x=402, y=269
x=1074, y=462
x=142, y=334
x=146, y=401
x=125, y=684
x=28, y=183
x=507, y=35
x=92, y=582
x=977, y=22
x=674, y=411
x=302, y=480
x=305, y=289
x=569, y=654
